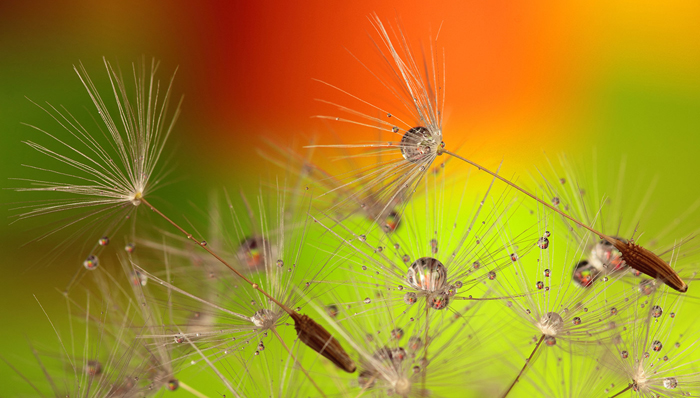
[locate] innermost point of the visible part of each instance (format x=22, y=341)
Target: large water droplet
x=104, y=241
x=417, y=143
x=427, y=274
x=670, y=383
x=263, y=318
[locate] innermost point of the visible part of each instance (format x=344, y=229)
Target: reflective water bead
x=203, y=243
x=656, y=311
x=613, y=311
x=543, y=243
x=577, y=320
x=672, y=315
x=492, y=275
x=427, y=274
x=513, y=257
x=179, y=339
x=405, y=258
x=540, y=285
x=397, y=333
x=476, y=265
x=362, y=238
x=656, y=345
x=550, y=340
x=416, y=369
x=555, y=201
x=585, y=273
x=546, y=273
x=173, y=384
x=416, y=143
x=93, y=368
x=439, y=301
x=138, y=278
x=130, y=247
x=458, y=284
x=263, y=318
x=394, y=129
x=410, y=298
x=415, y=343
x=624, y=354
x=391, y=222
x=551, y=323
x=91, y=262
x=647, y=287
x=104, y=241
x=280, y=263
x=252, y=252
x=670, y=383
x=367, y=300
x=332, y=310
x=261, y=346
x=547, y=234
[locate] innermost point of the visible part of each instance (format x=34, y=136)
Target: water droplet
x=364, y=268
x=416, y=143
x=94, y=368
x=540, y=285
x=476, y=265
x=104, y=241
x=672, y=315
x=551, y=323
x=613, y=311
x=513, y=257
x=173, y=384
x=562, y=181
x=577, y=320
x=410, y=298
x=427, y=274
x=362, y=238
x=555, y=201
x=130, y=247
x=543, y=243
x=415, y=343
x=656, y=311
x=203, y=243
x=546, y=234
x=647, y=287
x=439, y=301
x=397, y=334
x=585, y=273
x=91, y=262
x=624, y=354
x=253, y=252
x=263, y=318
x=609, y=256
x=492, y=275
x=670, y=383
x=656, y=345
x=546, y=273
x=367, y=300
x=550, y=340
x=388, y=115
x=332, y=310
x=458, y=284
x=137, y=278
x=394, y=129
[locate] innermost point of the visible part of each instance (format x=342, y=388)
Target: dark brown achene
x=647, y=262
x=320, y=340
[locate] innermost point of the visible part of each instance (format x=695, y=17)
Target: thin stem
x=522, y=371
x=542, y=202
x=191, y=390
x=221, y=260
x=308, y=376
x=621, y=392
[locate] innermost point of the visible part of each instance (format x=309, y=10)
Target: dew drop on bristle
x=543, y=243
x=394, y=129
x=613, y=311
x=137, y=278
x=397, y=334
x=362, y=238
x=584, y=274
x=492, y=275
x=476, y=265
x=550, y=340
x=91, y=262
x=203, y=243
x=94, y=368
x=540, y=285
x=656, y=345
x=405, y=258
x=439, y=301
x=173, y=384
x=513, y=257
x=130, y=247
x=547, y=273
x=647, y=287
x=179, y=339
x=656, y=311
x=367, y=300
x=670, y=383
x=551, y=323
x=415, y=343
x=576, y=321
x=624, y=354
x=104, y=241
x=609, y=256
x=458, y=284
x=263, y=318
x=332, y=310
x=251, y=252
x=410, y=298
x=417, y=143
x=555, y=201
x=280, y=263
x=427, y=274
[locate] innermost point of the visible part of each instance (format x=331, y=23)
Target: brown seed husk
x=320, y=340
x=649, y=263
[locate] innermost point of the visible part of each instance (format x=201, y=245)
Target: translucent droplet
x=367, y=300
x=405, y=258
x=263, y=318
x=391, y=222
x=94, y=368
x=476, y=265
x=458, y=284
x=397, y=334
x=546, y=273
x=91, y=262
x=394, y=129
x=670, y=383
x=130, y=247
x=427, y=274
x=104, y=241
x=491, y=275
x=547, y=234
x=362, y=238
x=416, y=369
x=672, y=315
x=555, y=201
x=253, y=252
x=261, y=346
x=179, y=339
x=332, y=310
x=173, y=384
x=439, y=301
x=551, y=323
x=540, y=285
x=137, y=278
x=513, y=257
x=608, y=255
x=585, y=273
x=656, y=311
x=550, y=340
x=543, y=243
x=415, y=343
x=203, y=243
x=417, y=143
x=647, y=287
x=656, y=345
x=624, y=354
x=577, y=320
x=613, y=311
x=410, y=298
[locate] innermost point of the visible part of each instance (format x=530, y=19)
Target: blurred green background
x=521, y=79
